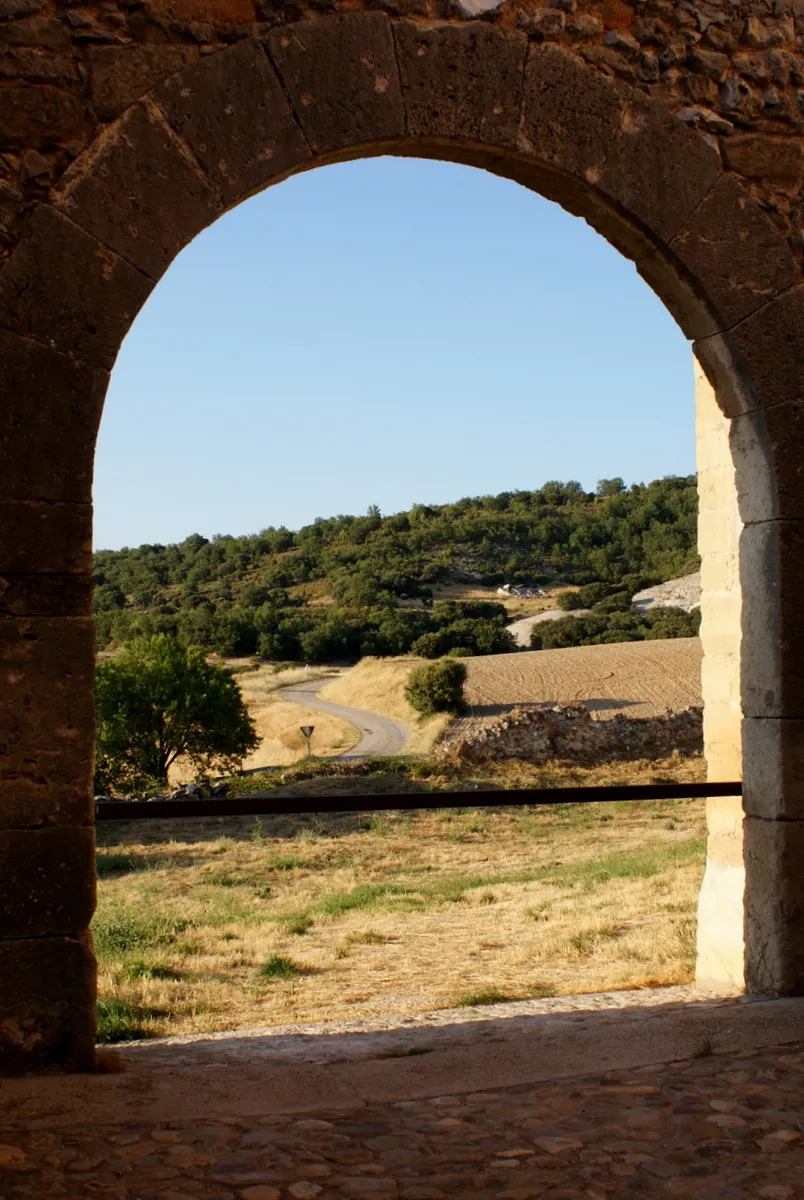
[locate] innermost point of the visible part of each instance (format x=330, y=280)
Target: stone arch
x=188, y=145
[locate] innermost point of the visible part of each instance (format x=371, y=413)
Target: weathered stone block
x=771, y=345
x=37, y=801
x=772, y=575
x=774, y=907
x=38, y=116
x=47, y=1005
x=45, y=595
x=47, y=881
x=139, y=194
x=777, y=160
x=720, y=961
x=461, y=81
x=231, y=109
x=65, y=289
x=45, y=537
x=761, y=650
x=119, y=75
x=734, y=252
x=342, y=78
x=570, y=112
x=51, y=409
x=47, y=717
x=658, y=168
x=773, y=758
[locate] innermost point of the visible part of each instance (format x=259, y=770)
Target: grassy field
x=241, y=922
x=641, y=679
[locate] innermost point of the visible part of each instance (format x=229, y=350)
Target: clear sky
x=389, y=331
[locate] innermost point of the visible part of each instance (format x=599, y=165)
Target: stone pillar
x=47, y=876
x=721, y=949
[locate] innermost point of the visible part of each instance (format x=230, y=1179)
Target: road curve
x=379, y=735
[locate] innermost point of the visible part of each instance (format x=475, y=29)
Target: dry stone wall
x=538, y=734
x=733, y=68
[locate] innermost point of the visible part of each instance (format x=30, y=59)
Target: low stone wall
x=541, y=733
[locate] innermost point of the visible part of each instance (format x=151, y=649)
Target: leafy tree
x=158, y=701
x=437, y=687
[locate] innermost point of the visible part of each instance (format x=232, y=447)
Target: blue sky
x=389, y=331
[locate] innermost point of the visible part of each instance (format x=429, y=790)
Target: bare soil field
x=224, y=923
x=517, y=606
x=640, y=679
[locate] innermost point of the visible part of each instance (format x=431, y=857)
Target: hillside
x=345, y=587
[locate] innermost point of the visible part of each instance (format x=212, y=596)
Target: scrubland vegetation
x=346, y=587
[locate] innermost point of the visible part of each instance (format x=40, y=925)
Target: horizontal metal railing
x=261, y=806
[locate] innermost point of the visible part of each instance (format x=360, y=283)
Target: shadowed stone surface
x=733, y=249
x=46, y=882
x=570, y=113
x=47, y=1004
x=119, y=75
x=51, y=409
x=45, y=537
x=463, y=82
x=122, y=199
x=233, y=113
x=342, y=78
x=63, y=288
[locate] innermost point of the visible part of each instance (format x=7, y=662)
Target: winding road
x=379, y=735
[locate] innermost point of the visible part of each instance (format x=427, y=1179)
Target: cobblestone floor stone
x=719, y=1127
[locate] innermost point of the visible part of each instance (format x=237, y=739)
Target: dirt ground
x=640, y=679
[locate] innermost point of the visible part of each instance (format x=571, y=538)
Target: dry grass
x=641, y=679
x=216, y=924
x=278, y=720
x=378, y=684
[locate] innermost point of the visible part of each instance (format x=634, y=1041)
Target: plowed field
x=641, y=679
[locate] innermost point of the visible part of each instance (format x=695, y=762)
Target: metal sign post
x=307, y=730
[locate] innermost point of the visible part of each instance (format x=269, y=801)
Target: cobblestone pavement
x=718, y=1127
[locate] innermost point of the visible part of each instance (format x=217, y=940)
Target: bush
x=437, y=687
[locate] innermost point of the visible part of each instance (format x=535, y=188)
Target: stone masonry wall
x=733, y=68
x=538, y=734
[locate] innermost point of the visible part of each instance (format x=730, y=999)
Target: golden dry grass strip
x=391, y=914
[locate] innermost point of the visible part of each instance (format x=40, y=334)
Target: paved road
x=379, y=734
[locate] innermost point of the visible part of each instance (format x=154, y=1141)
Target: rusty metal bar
x=262, y=806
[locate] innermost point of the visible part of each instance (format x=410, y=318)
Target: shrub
x=437, y=687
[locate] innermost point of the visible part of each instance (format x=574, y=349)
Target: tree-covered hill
x=332, y=591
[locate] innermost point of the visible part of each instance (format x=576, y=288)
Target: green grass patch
x=120, y=930
x=297, y=923
x=278, y=966
x=140, y=969
x=490, y=995
x=284, y=863
x=109, y=865
x=119, y=1021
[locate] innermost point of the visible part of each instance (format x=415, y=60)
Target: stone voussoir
x=342, y=78
x=233, y=113
x=461, y=81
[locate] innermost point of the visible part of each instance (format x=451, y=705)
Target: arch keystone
x=342, y=78
x=461, y=81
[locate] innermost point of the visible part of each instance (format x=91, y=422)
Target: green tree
x=437, y=687
x=158, y=701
